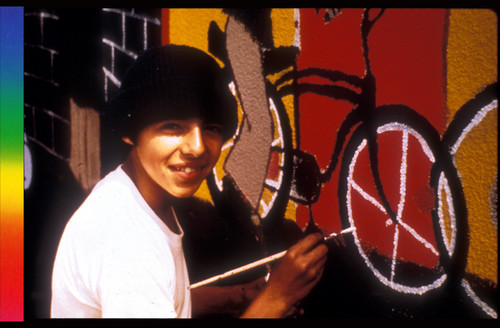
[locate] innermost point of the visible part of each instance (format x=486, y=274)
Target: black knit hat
x=172, y=82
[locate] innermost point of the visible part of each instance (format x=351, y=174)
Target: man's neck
x=157, y=198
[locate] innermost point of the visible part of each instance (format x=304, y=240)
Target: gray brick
x=51, y=32
x=32, y=32
x=42, y=94
x=62, y=138
x=43, y=127
x=112, y=26
x=28, y=121
x=134, y=35
x=37, y=61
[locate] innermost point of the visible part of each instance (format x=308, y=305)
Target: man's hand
x=291, y=279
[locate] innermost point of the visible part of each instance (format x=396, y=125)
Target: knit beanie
x=172, y=82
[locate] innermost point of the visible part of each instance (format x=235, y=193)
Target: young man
x=121, y=252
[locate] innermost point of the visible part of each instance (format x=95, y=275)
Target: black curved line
x=351, y=119
x=467, y=112
x=273, y=189
x=331, y=91
x=366, y=26
x=331, y=75
x=277, y=149
x=371, y=134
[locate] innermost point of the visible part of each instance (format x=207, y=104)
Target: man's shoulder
x=114, y=185
x=110, y=197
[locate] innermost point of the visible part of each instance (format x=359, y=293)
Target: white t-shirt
x=117, y=259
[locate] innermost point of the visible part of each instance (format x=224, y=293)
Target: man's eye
x=171, y=126
x=214, y=128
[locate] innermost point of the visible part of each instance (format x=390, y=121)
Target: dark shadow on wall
x=54, y=193
x=82, y=56
x=49, y=202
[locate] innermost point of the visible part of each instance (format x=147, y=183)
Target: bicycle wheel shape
x=472, y=115
x=276, y=189
x=423, y=247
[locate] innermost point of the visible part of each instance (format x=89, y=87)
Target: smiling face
x=175, y=155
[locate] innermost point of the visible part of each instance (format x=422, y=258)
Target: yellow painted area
x=471, y=54
x=189, y=26
x=283, y=26
x=472, y=64
x=291, y=211
x=288, y=101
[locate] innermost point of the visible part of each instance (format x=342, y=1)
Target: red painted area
x=274, y=166
x=165, y=23
x=406, y=53
x=336, y=45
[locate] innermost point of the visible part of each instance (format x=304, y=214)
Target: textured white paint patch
x=402, y=175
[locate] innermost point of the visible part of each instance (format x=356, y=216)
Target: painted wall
x=312, y=85
x=431, y=61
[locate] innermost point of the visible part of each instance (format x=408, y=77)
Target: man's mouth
x=187, y=169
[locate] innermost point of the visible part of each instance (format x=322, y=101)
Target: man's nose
x=193, y=143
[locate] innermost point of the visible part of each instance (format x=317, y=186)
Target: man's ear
x=127, y=141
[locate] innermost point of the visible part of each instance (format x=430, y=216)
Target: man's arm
x=224, y=300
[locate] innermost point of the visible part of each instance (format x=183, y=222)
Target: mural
x=360, y=131
x=382, y=120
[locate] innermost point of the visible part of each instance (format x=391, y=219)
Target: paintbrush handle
x=240, y=269
x=332, y=235
x=256, y=263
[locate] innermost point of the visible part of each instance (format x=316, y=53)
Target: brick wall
x=126, y=32
x=50, y=77
x=46, y=121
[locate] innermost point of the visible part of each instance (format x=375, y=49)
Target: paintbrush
x=258, y=263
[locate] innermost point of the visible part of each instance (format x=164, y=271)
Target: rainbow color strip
x=11, y=163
